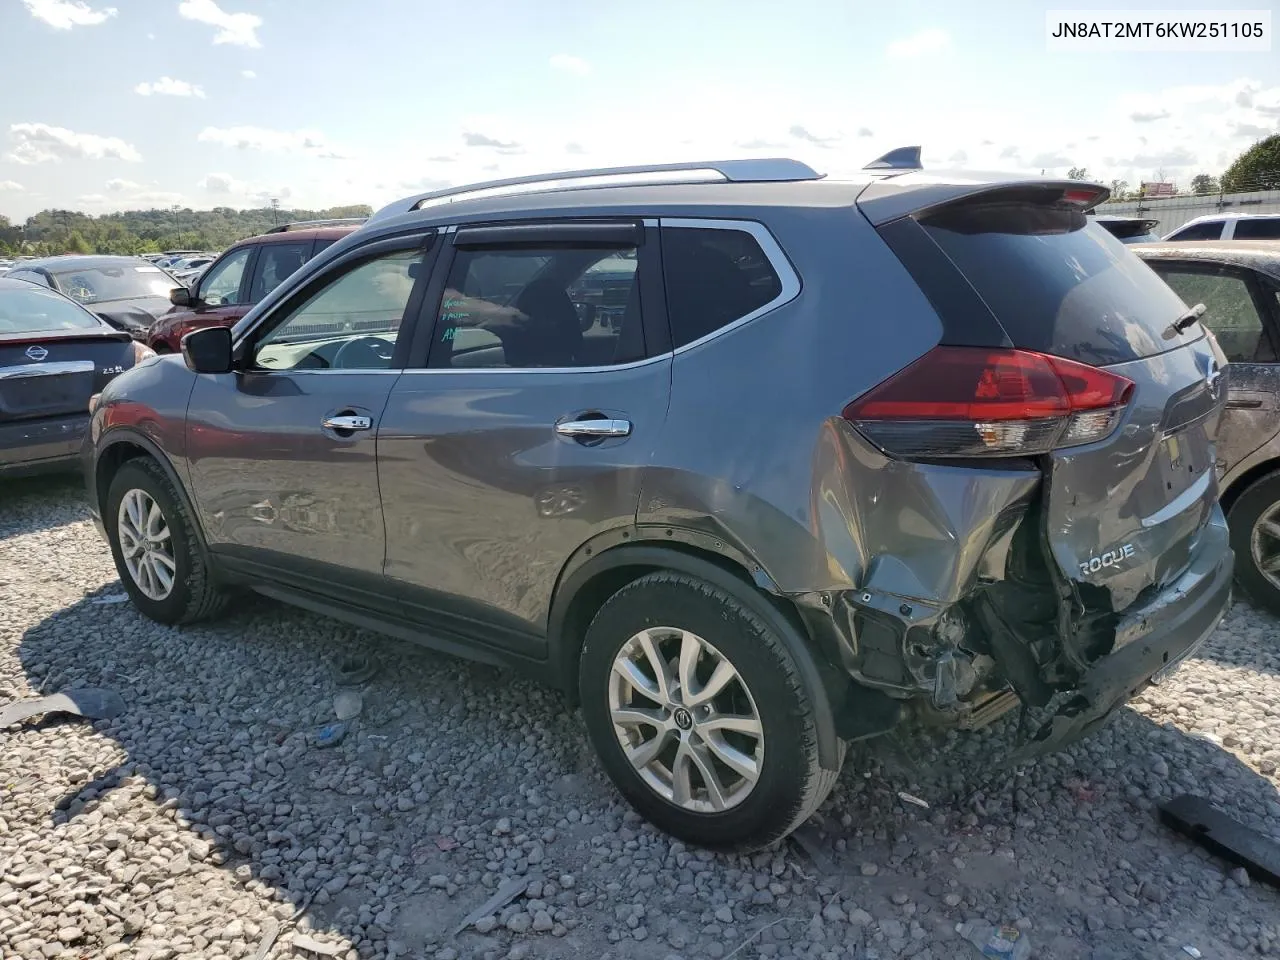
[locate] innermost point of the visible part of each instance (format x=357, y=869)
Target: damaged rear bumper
x=1149, y=642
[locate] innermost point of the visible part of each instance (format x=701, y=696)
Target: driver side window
x=221, y=285
x=350, y=323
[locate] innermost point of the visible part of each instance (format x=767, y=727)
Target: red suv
x=242, y=276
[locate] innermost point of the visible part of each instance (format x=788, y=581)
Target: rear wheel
x=696, y=708
x=1255, y=537
x=154, y=547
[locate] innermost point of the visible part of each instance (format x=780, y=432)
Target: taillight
x=980, y=402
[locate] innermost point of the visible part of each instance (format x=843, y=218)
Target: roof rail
x=902, y=158
x=313, y=224
x=774, y=169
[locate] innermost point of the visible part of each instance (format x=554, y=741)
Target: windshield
x=123, y=282
x=35, y=310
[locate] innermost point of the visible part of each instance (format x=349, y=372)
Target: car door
x=282, y=451
x=525, y=424
x=1239, y=314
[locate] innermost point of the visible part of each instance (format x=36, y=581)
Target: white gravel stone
x=206, y=810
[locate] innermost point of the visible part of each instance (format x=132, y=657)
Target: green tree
x=1119, y=189
x=76, y=243
x=1258, y=168
x=1078, y=173
x=1202, y=184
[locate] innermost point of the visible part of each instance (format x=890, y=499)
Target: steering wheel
x=364, y=353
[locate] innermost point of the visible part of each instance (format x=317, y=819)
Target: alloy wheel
x=1264, y=544
x=146, y=543
x=686, y=720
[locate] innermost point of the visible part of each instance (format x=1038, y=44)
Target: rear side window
x=1058, y=284
x=1210, y=230
x=1230, y=311
x=528, y=307
x=713, y=278
x=1263, y=228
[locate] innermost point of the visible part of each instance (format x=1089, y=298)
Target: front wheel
x=696, y=708
x=154, y=546
x=1254, y=522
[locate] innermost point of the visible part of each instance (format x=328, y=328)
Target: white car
x=1229, y=226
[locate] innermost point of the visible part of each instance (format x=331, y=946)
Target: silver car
x=847, y=456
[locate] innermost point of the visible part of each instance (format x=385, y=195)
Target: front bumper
x=33, y=446
x=1150, y=643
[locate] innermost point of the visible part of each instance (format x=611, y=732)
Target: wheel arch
x=1246, y=480
x=123, y=445
x=608, y=562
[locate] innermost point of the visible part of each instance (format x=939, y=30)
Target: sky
x=205, y=103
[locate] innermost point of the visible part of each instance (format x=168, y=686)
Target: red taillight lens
x=972, y=401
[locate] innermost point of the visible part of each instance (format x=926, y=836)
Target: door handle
x=347, y=422
x=594, y=428
x=1243, y=403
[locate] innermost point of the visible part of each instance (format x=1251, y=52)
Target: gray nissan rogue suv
x=849, y=455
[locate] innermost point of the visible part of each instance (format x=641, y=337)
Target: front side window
x=529, y=307
x=221, y=285
x=713, y=278
x=1230, y=311
x=275, y=262
x=350, y=323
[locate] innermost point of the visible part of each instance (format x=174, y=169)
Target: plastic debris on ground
x=110, y=598
x=331, y=734
x=92, y=704
x=912, y=799
x=347, y=704
x=1191, y=951
x=1003, y=942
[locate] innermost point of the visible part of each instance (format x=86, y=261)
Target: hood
x=137, y=314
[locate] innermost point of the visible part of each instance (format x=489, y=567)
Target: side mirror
x=181, y=297
x=208, y=350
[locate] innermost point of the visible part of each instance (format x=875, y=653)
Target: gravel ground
x=207, y=816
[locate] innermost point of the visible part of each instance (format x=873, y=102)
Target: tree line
x=1257, y=168
x=134, y=232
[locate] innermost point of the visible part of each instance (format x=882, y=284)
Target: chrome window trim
x=57, y=368
x=634, y=364
x=790, y=280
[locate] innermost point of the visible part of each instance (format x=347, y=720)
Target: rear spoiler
x=917, y=194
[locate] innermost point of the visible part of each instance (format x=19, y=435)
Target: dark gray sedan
x=54, y=357
x=127, y=292
x=1238, y=281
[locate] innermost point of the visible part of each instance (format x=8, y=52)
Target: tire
x=790, y=783
x=1258, y=499
x=192, y=594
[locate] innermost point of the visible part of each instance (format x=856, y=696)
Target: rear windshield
x=36, y=310
x=1059, y=283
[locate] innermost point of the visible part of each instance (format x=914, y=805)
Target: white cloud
x=239, y=29
x=222, y=183
x=11, y=186
x=65, y=14
x=266, y=140
x=570, y=64
x=249, y=74
x=168, y=87
x=42, y=143
x=919, y=44
x=119, y=186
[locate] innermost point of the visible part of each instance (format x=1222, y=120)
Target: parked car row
x=1217, y=226
x=653, y=443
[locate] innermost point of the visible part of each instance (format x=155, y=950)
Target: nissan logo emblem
x=37, y=353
